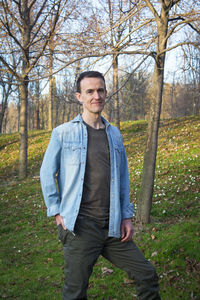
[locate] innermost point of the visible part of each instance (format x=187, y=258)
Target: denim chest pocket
x=72, y=153
x=118, y=150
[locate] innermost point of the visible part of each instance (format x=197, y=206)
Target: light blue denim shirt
x=65, y=160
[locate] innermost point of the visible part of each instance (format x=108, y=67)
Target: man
x=91, y=204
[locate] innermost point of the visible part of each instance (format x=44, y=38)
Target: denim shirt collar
x=79, y=119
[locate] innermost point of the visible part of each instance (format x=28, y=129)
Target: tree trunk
x=42, y=114
x=115, y=90
x=2, y=113
x=149, y=163
x=23, y=141
x=110, y=110
x=4, y=104
x=146, y=191
x=50, y=104
x=69, y=112
x=24, y=81
x=18, y=115
x=55, y=104
x=37, y=105
x=51, y=89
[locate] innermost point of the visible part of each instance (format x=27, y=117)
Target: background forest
x=46, y=44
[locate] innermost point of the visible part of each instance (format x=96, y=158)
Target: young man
x=91, y=204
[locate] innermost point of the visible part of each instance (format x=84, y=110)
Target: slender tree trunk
x=115, y=90
x=148, y=174
x=4, y=105
x=69, y=112
x=146, y=191
x=23, y=144
x=18, y=115
x=24, y=81
x=41, y=119
x=37, y=105
x=2, y=113
x=51, y=89
x=55, y=104
x=33, y=117
x=110, y=110
x=56, y=111
x=172, y=101
x=5, y=122
x=50, y=104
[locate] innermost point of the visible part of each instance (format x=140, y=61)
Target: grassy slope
x=31, y=257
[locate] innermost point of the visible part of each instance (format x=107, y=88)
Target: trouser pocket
x=62, y=234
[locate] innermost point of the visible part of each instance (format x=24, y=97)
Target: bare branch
x=153, y=10
x=143, y=60
x=185, y=21
x=9, y=69
x=170, y=32
x=196, y=45
x=98, y=54
x=31, y=4
x=8, y=12
x=38, y=14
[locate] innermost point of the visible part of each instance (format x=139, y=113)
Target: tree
x=6, y=89
x=24, y=22
x=167, y=22
x=191, y=72
x=110, y=34
x=134, y=102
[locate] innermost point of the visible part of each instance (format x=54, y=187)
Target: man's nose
x=96, y=95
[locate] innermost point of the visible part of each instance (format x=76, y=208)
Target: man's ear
x=78, y=97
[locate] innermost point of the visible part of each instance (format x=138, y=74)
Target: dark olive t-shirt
x=96, y=189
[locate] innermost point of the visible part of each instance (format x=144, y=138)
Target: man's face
x=93, y=94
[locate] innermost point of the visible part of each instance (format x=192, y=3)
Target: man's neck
x=93, y=120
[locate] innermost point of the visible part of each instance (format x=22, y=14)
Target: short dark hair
x=88, y=74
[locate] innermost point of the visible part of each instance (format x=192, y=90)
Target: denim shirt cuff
x=128, y=213
x=53, y=210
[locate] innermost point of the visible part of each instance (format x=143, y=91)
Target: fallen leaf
x=106, y=271
x=128, y=281
x=50, y=259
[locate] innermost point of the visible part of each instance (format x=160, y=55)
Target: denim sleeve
x=126, y=206
x=50, y=167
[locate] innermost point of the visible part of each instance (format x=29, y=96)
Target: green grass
x=31, y=257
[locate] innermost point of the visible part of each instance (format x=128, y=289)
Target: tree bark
x=50, y=103
x=5, y=95
x=24, y=81
x=23, y=136
x=2, y=112
x=37, y=105
x=115, y=90
x=149, y=163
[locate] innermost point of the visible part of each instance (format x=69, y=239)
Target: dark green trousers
x=82, y=250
